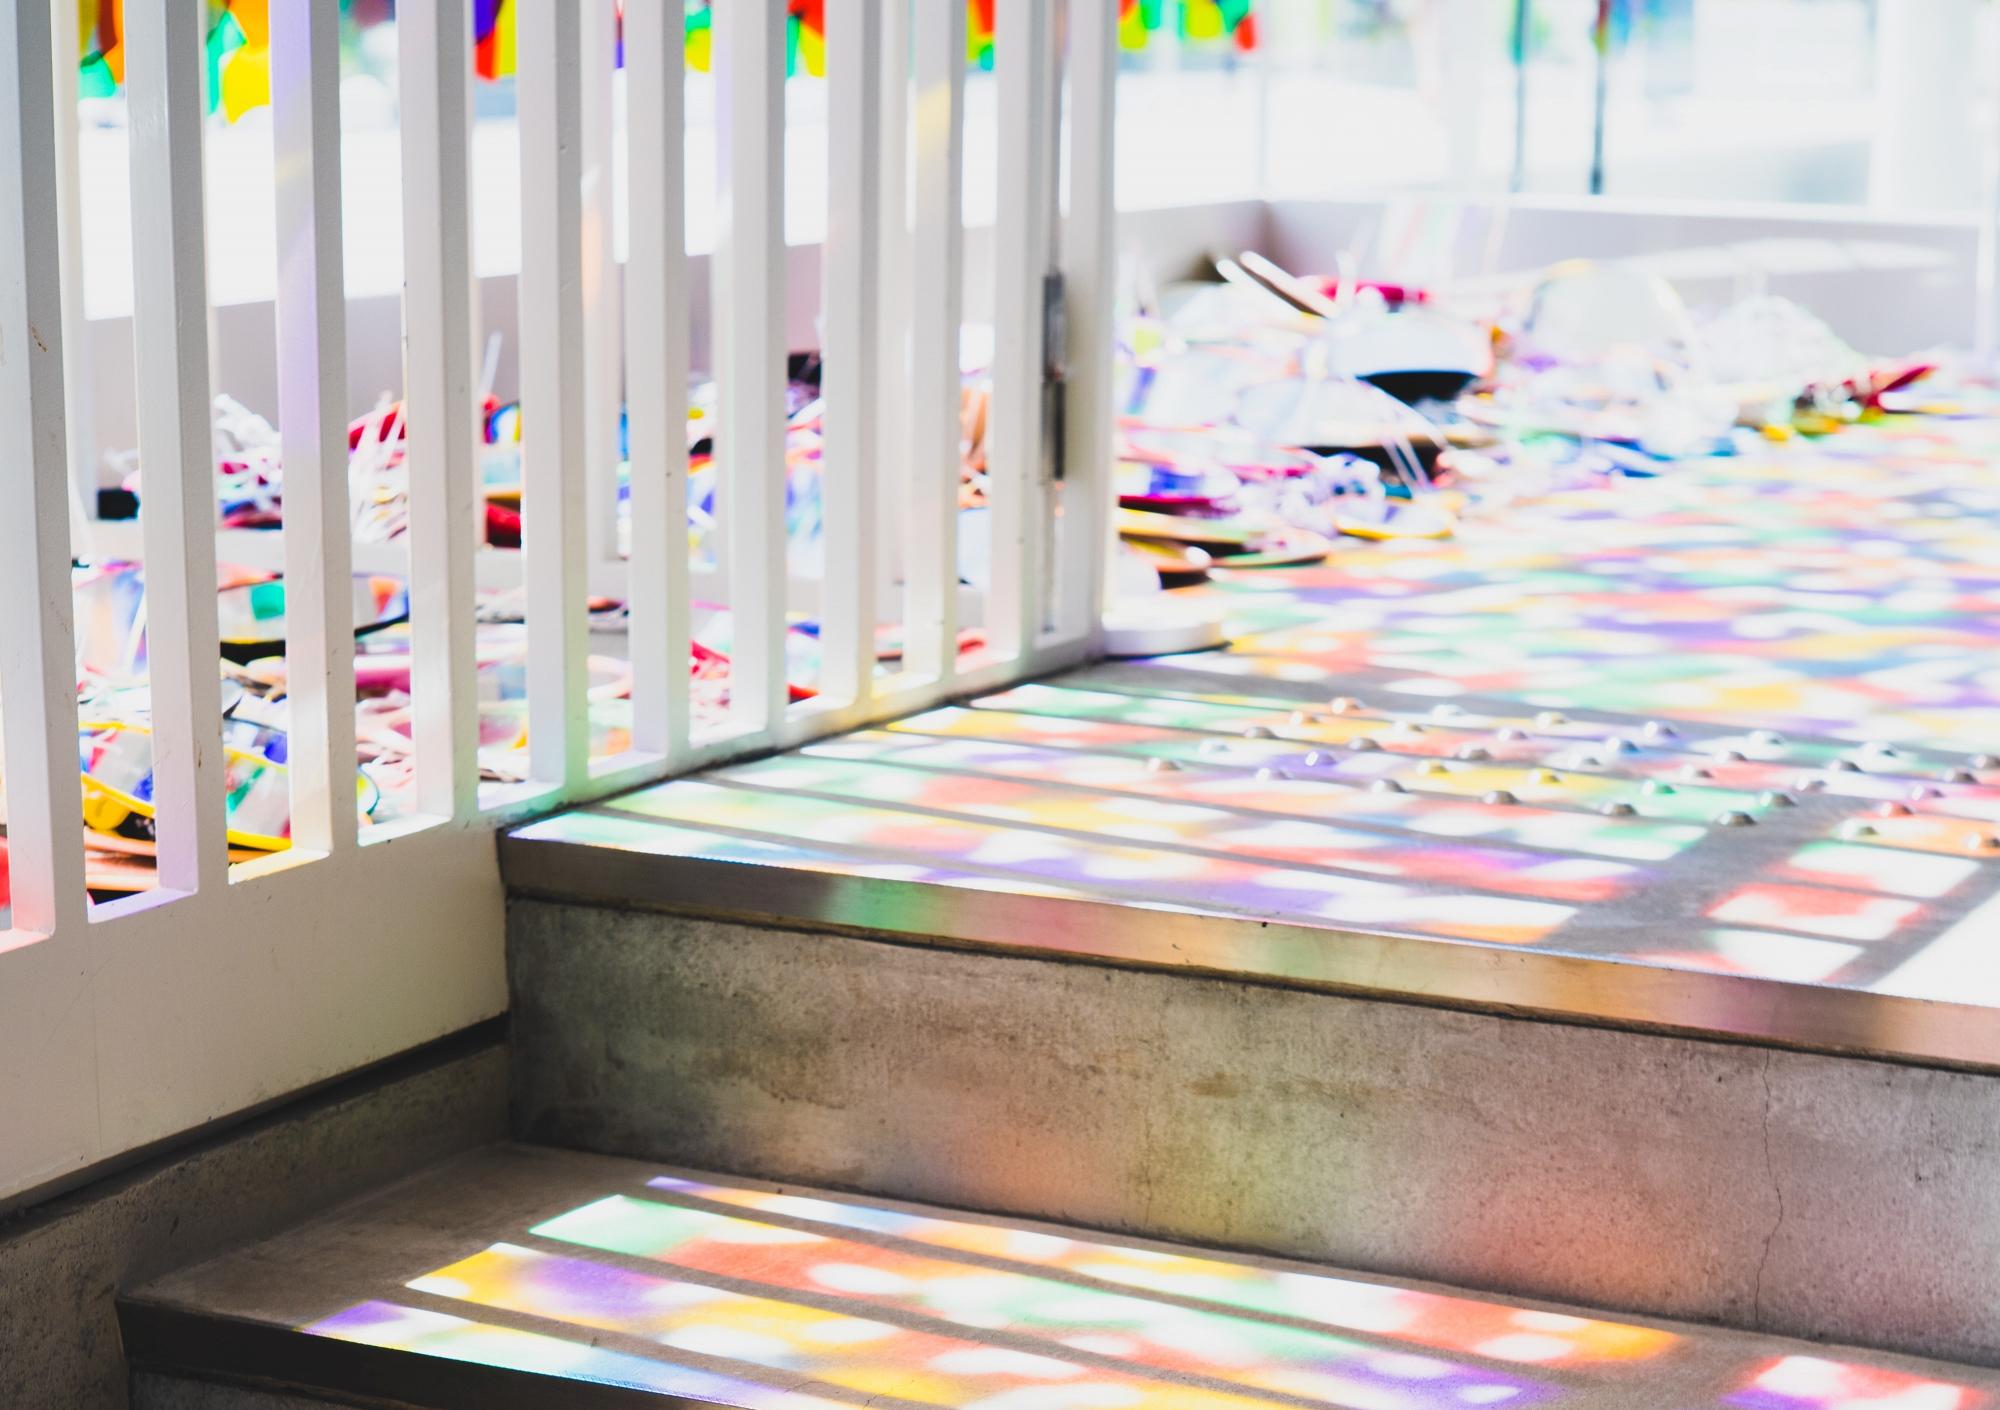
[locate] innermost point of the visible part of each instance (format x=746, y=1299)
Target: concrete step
x=1813, y=1194
x=520, y=1277
x=1676, y=1018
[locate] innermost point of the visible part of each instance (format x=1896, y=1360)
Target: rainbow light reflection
x=773, y=1301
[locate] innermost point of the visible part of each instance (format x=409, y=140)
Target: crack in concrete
x=1777, y=1193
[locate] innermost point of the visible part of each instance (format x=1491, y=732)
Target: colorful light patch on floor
x=718, y=1292
x=1734, y=718
x=1815, y=1383
x=1430, y=1320
x=1845, y=589
x=1057, y=1317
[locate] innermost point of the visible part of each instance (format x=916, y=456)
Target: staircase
x=1497, y=1053
x=933, y=969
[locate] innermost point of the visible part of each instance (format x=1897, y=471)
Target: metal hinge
x=1055, y=353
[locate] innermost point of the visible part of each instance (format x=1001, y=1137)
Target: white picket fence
x=227, y=986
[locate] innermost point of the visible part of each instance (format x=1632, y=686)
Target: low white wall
x=1887, y=286
x=1172, y=241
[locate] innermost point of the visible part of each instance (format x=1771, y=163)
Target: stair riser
x=1780, y=1191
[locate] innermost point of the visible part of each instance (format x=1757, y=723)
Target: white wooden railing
x=227, y=986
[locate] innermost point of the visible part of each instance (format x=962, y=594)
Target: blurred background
x=1880, y=105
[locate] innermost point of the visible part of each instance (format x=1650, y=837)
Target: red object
x=503, y=526
x=1394, y=295
x=707, y=658
x=1883, y=380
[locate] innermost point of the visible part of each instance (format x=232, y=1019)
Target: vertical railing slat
x=891, y=403
x=749, y=339
x=441, y=419
x=852, y=368
x=163, y=46
x=656, y=356
x=937, y=259
x=37, y=649
x=1016, y=487
x=554, y=509
x=1088, y=271
x=312, y=397
x=603, y=366
x=77, y=388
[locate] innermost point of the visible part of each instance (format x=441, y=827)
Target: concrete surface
x=63, y=1263
x=509, y=1207
x=151, y=1392
x=1769, y=1190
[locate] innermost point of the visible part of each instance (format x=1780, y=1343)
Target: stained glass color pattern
x=610, y=1272
x=1731, y=718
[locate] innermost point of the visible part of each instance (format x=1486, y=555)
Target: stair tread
x=510, y=1275
x=1167, y=817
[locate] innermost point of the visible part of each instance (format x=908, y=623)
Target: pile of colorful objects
x=1609, y=354
x=1263, y=416
x=114, y=712
x=1246, y=438
x=114, y=701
